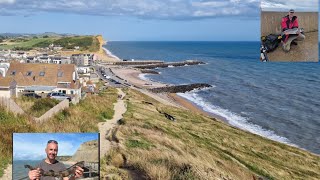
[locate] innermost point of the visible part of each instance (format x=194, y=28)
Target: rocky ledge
x=171, y=64
x=180, y=88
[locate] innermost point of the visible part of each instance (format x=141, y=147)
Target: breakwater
x=170, y=64
x=180, y=88
x=148, y=71
x=128, y=63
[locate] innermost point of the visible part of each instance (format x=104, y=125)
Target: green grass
x=76, y=118
x=200, y=147
x=138, y=143
x=27, y=44
x=9, y=123
x=86, y=43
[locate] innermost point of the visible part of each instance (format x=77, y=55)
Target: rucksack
x=271, y=41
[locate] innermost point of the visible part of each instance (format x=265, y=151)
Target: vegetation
x=86, y=43
x=83, y=117
x=36, y=107
x=9, y=123
x=196, y=147
x=25, y=44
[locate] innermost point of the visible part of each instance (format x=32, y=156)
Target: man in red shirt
x=289, y=24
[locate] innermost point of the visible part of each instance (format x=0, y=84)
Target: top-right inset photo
x=289, y=31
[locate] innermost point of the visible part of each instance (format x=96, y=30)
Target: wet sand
x=132, y=76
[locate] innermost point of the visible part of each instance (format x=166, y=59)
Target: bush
x=41, y=106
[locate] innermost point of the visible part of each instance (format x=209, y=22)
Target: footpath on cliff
x=106, y=127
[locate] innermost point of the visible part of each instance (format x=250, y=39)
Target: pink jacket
x=287, y=24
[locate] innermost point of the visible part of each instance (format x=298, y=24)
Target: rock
x=180, y=88
x=173, y=64
x=88, y=152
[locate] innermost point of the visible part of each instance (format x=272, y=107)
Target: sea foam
x=233, y=118
x=109, y=53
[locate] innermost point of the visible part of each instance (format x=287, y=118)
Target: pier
x=172, y=64
x=180, y=88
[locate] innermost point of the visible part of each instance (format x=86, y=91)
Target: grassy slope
x=27, y=44
x=198, y=147
x=82, y=117
x=94, y=47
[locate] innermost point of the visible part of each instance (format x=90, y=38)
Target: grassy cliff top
x=197, y=147
x=86, y=43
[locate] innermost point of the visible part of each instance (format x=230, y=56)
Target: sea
x=279, y=101
x=18, y=169
x=20, y=172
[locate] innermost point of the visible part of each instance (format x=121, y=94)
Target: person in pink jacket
x=288, y=23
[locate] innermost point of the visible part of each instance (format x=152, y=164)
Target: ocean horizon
x=278, y=101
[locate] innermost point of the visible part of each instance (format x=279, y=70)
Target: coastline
x=136, y=77
x=143, y=83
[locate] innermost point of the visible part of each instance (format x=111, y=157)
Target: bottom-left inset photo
x=51, y=156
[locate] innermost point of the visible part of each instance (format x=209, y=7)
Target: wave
x=170, y=66
x=109, y=53
x=144, y=77
x=233, y=118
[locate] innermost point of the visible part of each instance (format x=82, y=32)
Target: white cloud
x=7, y=1
x=159, y=9
x=280, y=5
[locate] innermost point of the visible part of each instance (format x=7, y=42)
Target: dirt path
x=7, y=173
x=105, y=127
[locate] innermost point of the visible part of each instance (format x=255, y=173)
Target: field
x=86, y=43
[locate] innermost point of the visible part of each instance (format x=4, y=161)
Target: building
x=40, y=78
x=3, y=69
x=80, y=59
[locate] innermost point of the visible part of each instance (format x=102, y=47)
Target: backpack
x=271, y=42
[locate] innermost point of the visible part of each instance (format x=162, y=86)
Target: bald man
x=50, y=163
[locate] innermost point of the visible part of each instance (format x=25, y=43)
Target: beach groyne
x=128, y=63
x=180, y=88
x=148, y=71
x=172, y=64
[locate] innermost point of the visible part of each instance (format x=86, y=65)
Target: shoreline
x=137, y=78
x=176, y=100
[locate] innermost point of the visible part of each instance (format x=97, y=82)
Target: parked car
x=34, y=95
x=59, y=96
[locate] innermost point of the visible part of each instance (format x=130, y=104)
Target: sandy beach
x=133, y=77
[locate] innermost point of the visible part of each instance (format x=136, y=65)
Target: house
x=7, y=87
x=4, y=68
x=31, y=59
x=41, y=78
x=80, y=59
x=83, y=70
x=56, y=60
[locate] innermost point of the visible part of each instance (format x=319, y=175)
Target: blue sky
x=146, y=20
x=31, y=146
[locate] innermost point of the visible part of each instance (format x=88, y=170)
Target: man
x=50, y=163
x=290, y=22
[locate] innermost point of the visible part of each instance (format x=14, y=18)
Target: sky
x=281, y=5
x=136, y=20
x=31, y=146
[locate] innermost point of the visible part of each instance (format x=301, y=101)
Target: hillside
x=87, y=151
x=86, y=43
x=196, y=147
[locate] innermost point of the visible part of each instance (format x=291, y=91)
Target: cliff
x=87, y=151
